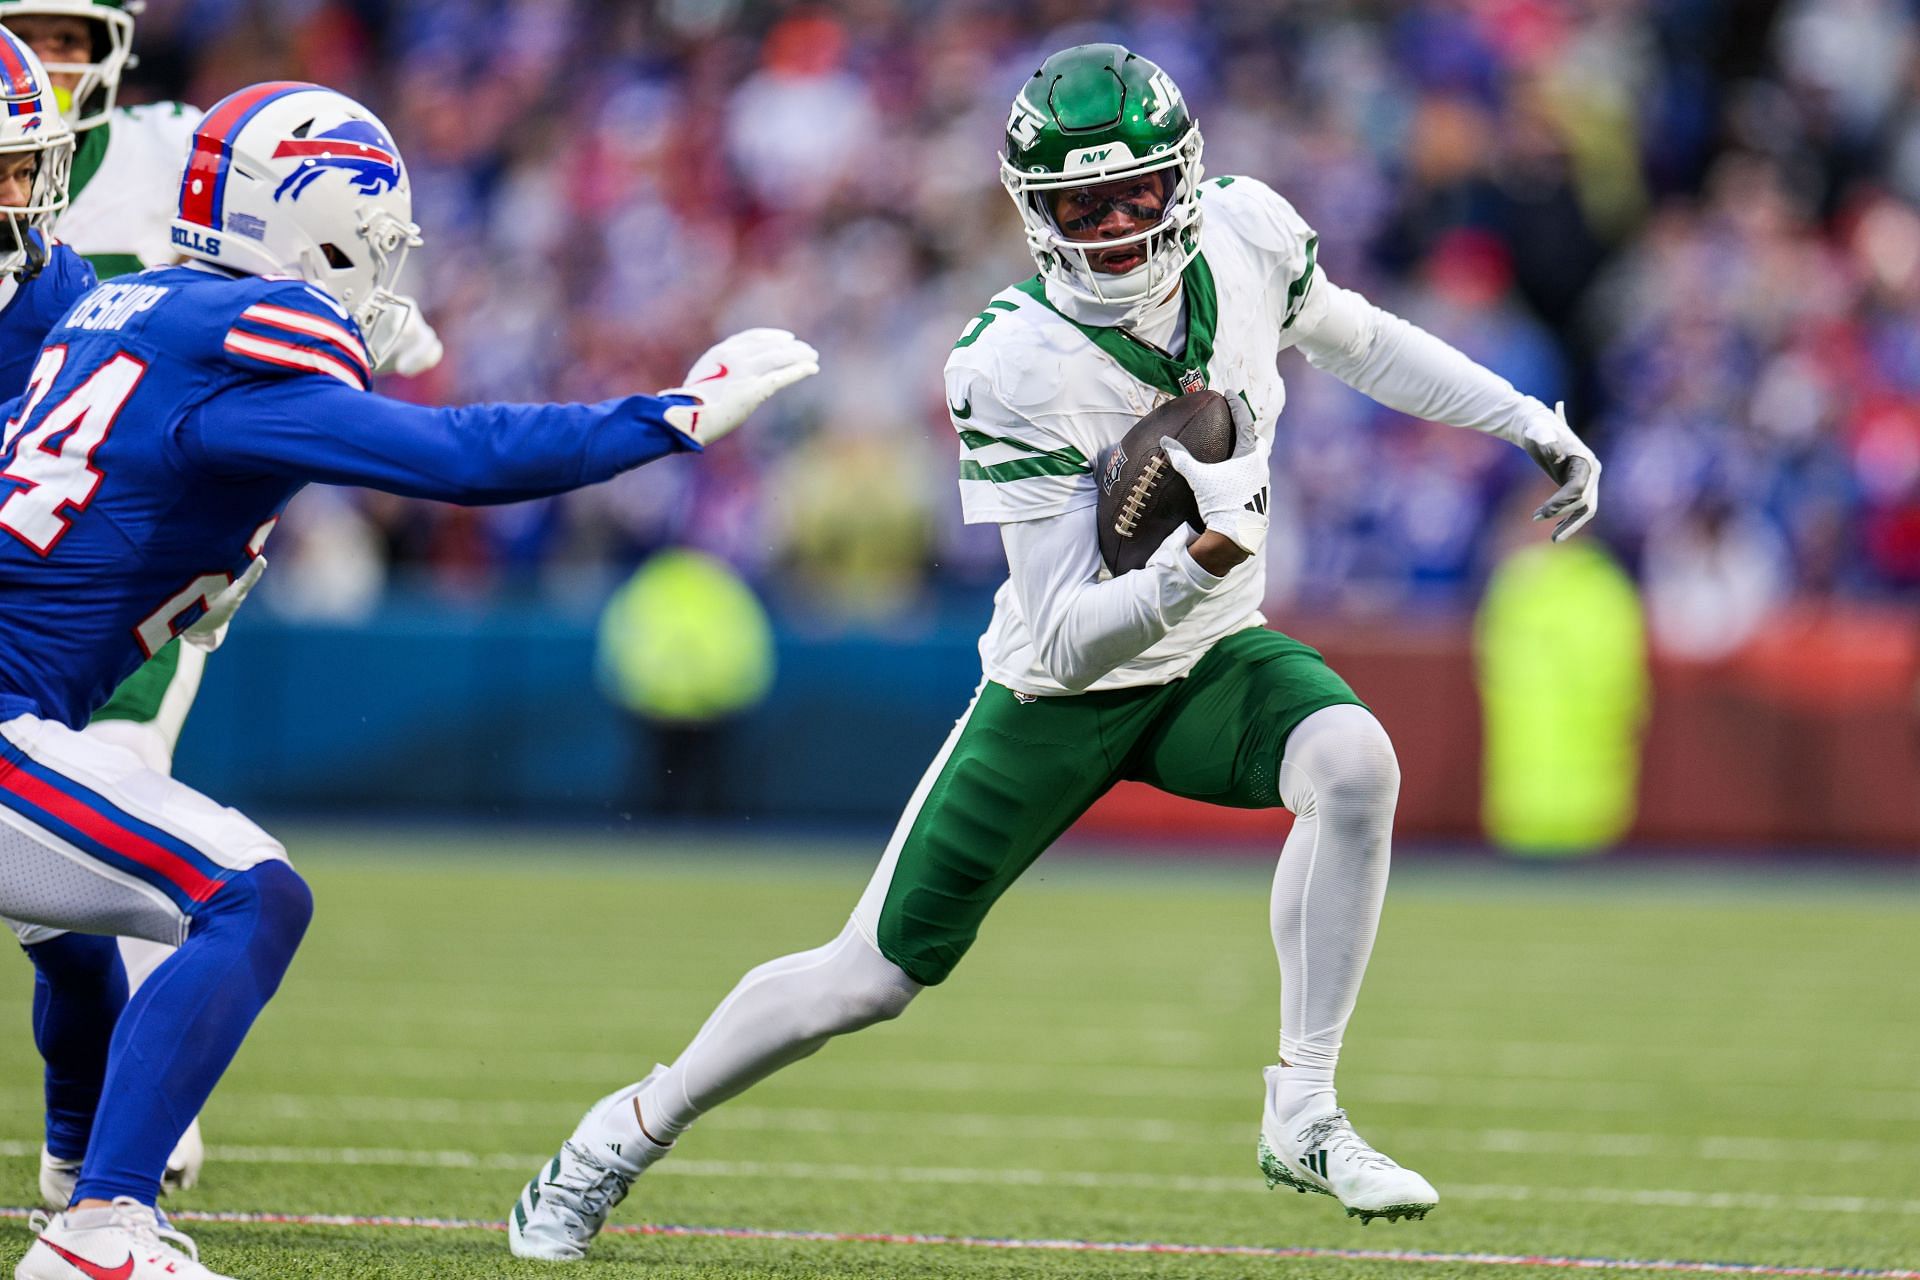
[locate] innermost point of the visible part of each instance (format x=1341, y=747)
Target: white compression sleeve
x=1339, y=776
x=1406, y=368
x=1082, y=627
x=778, y=1014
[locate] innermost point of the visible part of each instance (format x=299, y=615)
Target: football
x=1142, y=498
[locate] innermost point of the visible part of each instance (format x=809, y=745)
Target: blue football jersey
x=165, y=423
x=28, y=310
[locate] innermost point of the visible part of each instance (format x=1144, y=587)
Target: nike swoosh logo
x=720, y=373
x=92, y=1269
x=962, y=410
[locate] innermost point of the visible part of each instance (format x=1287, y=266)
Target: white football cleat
x=567, y=1202
x=58, y=1177
x=124, y=1241
x=1323, y=1154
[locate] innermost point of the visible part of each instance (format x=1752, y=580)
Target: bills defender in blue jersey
x=165, y=423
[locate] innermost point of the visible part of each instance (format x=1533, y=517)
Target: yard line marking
x=399, y=1157
x=1061, y=1246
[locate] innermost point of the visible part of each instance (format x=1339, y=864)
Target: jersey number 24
x=54, y=461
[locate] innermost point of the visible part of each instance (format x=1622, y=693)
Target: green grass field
x=1702, y=1065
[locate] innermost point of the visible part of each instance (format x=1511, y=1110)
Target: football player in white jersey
x=123, y=198
x=1152, y=281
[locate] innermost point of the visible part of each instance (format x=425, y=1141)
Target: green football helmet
x=98, y=89
x=1090, y=115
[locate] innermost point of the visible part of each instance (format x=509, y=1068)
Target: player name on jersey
x=112, y=305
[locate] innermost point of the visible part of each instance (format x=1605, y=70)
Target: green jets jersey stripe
x=1148, y=363
x=1022, y=469
x=1297, y=291
x=88, y=152
x=979, y=440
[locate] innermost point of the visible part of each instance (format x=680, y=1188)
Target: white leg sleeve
x=1341, y=780
x=778, y=1014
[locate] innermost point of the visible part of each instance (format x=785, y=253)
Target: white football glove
x=1232, y=495
x=735, y=377
x=207, y=633
x=1568, y=463
x=417, y=349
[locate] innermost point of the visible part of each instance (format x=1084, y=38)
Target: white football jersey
x=1040, y=401
x=125, y=194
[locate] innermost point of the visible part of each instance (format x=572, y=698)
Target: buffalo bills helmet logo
x=358, y=147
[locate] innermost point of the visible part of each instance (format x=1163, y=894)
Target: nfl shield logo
x=1116, y=462
x=1191, y=380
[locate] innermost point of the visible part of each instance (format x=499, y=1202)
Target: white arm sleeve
x=1406, y=368
x=1083, y=628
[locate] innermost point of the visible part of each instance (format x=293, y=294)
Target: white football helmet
x=290, y=178
x=31, y=124
x=92, y=99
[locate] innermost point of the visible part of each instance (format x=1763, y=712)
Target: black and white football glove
x=1568, y=463
x=1232, y=495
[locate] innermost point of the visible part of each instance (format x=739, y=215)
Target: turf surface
x=1643, y=1064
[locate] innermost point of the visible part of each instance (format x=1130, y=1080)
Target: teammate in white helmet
x=165, y=424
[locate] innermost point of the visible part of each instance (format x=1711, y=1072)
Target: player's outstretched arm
x=316, y=428
x=1406, y=368
x=1082, y=627
x=737, y=376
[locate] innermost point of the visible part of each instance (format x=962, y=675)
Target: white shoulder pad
x=1261, y=218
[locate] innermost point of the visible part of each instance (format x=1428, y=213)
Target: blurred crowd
x=1691, y=220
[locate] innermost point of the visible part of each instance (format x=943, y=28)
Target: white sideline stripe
x=1291, y=1252
x=393, y=1157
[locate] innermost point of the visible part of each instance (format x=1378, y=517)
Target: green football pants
x=1017, y=771
x=159, y=693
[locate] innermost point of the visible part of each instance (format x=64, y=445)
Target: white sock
x=1341, y=780
x=1300, y=1093
x=615, y=1132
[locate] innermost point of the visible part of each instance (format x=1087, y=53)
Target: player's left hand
x=418, y=348
x=735, y=377
x=211, y=629
x=1232, y=495
x=1571, y=465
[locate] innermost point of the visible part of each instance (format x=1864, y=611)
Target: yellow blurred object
x=685, y=641
x=1564, y=690
x=63, y=98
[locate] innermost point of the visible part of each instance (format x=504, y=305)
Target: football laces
x=1134, y=505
